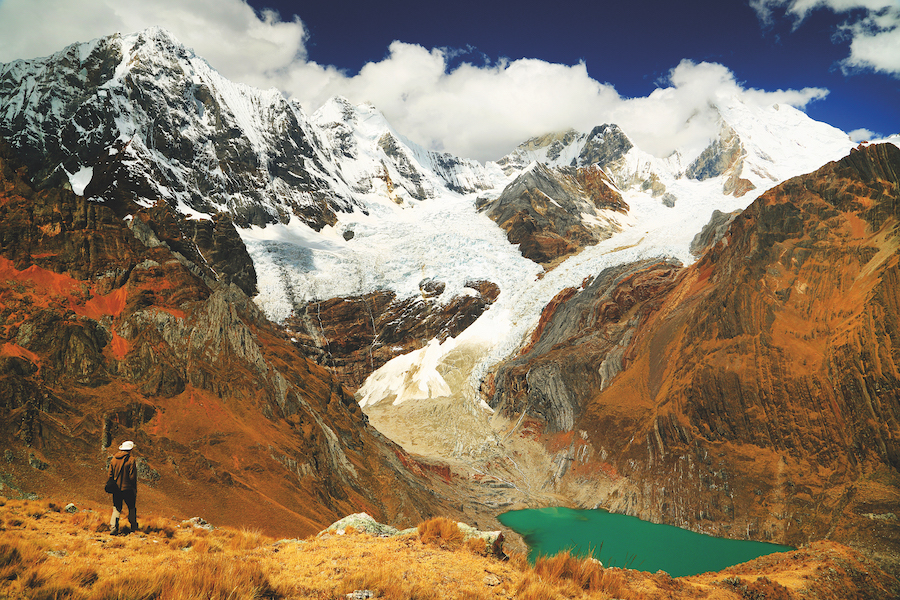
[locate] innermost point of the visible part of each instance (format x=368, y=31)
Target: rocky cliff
x=554, y=212
x=754, y=394
x=355, y=336
x=109, y=333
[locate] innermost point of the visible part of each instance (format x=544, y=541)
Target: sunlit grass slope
x=48, y=553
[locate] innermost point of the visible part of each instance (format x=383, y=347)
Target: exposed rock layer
x=579, y=343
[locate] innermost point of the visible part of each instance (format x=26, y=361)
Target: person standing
x=123, y=470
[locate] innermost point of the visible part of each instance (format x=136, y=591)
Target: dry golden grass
x=441, y=532
x=48, y=554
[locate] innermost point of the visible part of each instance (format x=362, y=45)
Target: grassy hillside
x=48, y=553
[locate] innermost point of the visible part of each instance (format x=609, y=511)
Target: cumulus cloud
x=483, y=111
x=479, y=111
x=474, y=109
x=874, y=36
x=862, y=135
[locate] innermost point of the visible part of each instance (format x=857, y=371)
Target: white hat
x=126, y=445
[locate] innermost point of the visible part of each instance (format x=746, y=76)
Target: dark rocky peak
x=543, y=210
x=605, y=145
x=160, y=42
x=49, y=103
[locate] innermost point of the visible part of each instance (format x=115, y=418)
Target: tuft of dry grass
x=581, y=573
x=387, y=582
x=441, y=532
x=210, y=577
x=247, y=539
x=90, y=521
x=158, y=526
x=532, y=587
x=477, y=546
x=519, y=561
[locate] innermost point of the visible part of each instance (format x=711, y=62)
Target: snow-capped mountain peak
x=339, y=203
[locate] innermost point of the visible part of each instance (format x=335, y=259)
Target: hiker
x=123, y=473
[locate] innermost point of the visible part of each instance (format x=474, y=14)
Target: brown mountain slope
x=108, y=334
x=758, y=396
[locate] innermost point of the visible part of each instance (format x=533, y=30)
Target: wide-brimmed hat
x=126, y=445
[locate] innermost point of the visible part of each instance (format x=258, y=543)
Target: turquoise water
x=628, y=542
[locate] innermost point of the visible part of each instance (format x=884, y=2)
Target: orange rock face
x=105, y=337
x=758, y=395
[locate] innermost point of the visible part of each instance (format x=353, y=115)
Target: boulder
x=364, y=523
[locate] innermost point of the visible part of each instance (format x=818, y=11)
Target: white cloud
x=681, y=114
x=874, y=37
x=862, y=135
x=479, y=110
x=484, y=111
x=476, y=111
x=801, y=8
x=875, y=42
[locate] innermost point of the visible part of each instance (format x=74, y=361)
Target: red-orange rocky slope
x=107, y=333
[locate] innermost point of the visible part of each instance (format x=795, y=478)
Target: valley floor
x=47, y=552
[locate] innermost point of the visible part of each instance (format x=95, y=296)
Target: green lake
x=628, y=542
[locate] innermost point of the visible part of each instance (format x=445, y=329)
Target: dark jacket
x=123, y=469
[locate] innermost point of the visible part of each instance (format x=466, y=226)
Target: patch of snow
x=80, y=179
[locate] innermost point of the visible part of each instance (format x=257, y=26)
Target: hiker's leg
x=130, y=497
x=116, y=512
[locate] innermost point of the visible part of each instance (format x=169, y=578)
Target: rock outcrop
x=355, y=336
x=108, y=332
x=713, y=232
x=554, y=212
x=724, y=156
x=755, y=394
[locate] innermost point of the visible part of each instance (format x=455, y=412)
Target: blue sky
x=477, y=78
x=631, y=45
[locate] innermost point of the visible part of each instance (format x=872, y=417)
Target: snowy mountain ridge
x=206, y=144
